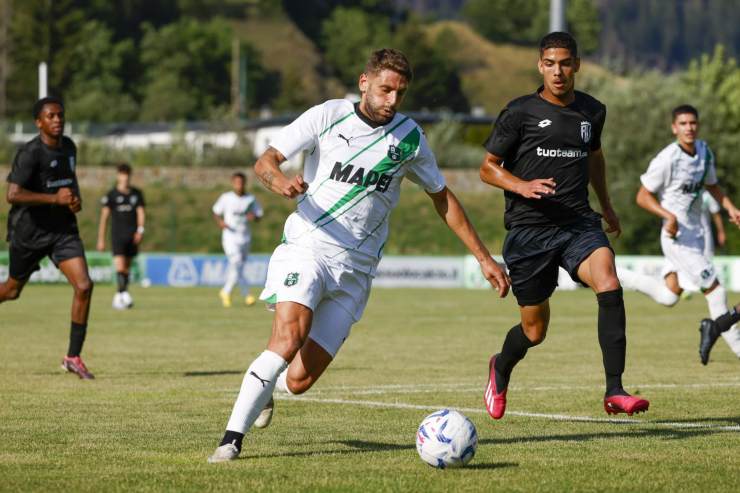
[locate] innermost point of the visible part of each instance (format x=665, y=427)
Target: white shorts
x=686, y=257
x=236, y=252
x=336, y=293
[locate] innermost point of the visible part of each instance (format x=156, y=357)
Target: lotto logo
x=544, y=123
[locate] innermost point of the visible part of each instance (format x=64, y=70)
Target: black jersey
x=123, y=211
x=42, y=169
x=538, y=139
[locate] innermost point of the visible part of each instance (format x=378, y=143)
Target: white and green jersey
x=679, y=179
x=354, y=171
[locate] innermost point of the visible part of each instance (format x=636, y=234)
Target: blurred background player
x=233, y=211
x=124, y=205
x=543, y=151
x=45, y=196
x=679, y=174
x=319, y=277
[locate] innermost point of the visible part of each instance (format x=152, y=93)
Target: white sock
x=232, y=276
x=717, y=302
x=282, y=383
x=655, y=288
x=256, y=390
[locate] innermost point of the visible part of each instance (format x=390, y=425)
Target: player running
x=710, y=330
x=45, y=196
x=679, y=174
x=543, y=151
x=319, y=278
x=124, y=204
x=233, y=211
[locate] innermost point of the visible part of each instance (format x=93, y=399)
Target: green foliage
x=436, y=84
x=526, y=21
x=447, y=140
x=638, y=127
x=187, y=67
x=349, y=35
x=98, y=68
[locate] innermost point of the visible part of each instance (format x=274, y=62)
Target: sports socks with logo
x=514, y=349
x=727, y=320
x=255, y=392
x=122, y=281
x=77, y=334
x=612, y=338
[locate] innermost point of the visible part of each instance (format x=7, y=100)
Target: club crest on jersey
x=292, y=279
x=586, y=131
x=394, y=153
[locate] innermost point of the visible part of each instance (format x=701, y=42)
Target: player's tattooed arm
x=268, y=172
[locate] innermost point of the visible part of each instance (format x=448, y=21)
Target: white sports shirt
x=234, y=208
x=354, y=172
x=679, y=179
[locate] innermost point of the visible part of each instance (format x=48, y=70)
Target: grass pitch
x=168, y=371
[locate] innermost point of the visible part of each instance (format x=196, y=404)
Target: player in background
x=124, y=205
x=233, y=211
x=544, y=149
x=45, y=196
x=319, y=278
x=678, y=175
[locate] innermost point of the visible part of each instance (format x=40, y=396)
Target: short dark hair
x=558, y=39
x=239, y=174
x=38, y=106
x=683, y=109
x=123, y=168
x=390, y=59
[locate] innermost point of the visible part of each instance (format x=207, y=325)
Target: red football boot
x=625, y=404
x=77, y=366
x=494, y=399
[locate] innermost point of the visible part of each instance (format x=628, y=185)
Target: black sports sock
x=724, y=322
x=233, y=437
x=122, y=280
x=76, y=339
x=514, y=349
x=612, y=338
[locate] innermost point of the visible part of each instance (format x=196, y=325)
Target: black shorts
x=534, y=253
x=25, y=261
x=125, y=247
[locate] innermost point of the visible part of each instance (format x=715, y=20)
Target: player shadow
x=362, y=447
x=641, y=433
x=214, y=373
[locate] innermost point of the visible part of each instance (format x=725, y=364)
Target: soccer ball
x=446, y=439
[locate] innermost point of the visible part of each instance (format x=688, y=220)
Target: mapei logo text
x=692, y=187
x=570, y=153
x=358, y=176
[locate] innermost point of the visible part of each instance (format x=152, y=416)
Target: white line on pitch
x=459, y=387
x=552, y=417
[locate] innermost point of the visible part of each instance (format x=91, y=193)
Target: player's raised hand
x=671, y=226
x=64, y=196
x=734, y=214
x=293, y=187
x=536, y=189
x=496, y=276
x=612, y=221
x=76, y=204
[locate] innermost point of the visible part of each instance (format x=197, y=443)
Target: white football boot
x=265, y=416
x=224, y=453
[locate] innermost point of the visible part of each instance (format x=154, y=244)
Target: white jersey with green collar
x=679, y=179
x=354, y=172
